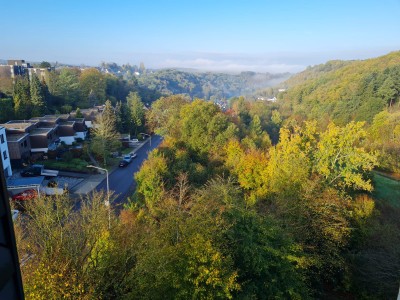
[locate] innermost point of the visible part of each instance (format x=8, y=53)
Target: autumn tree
x=65, y=246
x=92, y=86
x=164, y=115
x=106, y=137
x=340, y=158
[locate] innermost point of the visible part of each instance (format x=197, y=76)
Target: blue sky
x=218, y=35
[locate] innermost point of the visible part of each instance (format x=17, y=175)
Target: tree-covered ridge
x=221, y=212
x=344, y=91
x=312, y=183
x=208, y=85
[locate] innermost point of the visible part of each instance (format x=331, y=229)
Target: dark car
x=30, y=172
x=123, y=163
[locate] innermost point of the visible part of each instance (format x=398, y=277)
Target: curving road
x=121, y=181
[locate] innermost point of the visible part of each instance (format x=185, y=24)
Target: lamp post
x=142, y=133
x=107, y=202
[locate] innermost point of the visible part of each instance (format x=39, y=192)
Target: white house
x=5, y=155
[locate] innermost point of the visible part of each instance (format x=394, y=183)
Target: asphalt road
x=121, y=181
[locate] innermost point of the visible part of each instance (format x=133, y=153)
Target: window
x=5, y=155
x=2, y=138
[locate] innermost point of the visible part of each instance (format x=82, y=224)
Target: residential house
x=42, y=132
x=80, y=128
x=19, y=146
x=89, y=115
x=18, y=141
x=5, y=155
x=66, y=132
x=43, y=139
x=69, y=129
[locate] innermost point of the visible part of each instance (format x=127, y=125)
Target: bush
x=68, y=156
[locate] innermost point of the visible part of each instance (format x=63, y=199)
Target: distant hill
x=208, y=85
x=343, y=90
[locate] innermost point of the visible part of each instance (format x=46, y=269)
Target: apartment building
x=5, y=155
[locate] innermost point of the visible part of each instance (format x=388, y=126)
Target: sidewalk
x=92, y=181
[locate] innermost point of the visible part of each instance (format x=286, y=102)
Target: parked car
x=133, y=155
x=127, y=158
x=38, y=170
x=123, y=163
x=25, y=195
x=22, y=198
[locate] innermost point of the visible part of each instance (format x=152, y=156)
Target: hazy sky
x=229, y=35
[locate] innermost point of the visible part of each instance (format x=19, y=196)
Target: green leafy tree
x=44, y=64
x=78, y=113
x=68, y=86
x=263, y=256
x=255, y=127
x=204, y=127
x=388, y=91
x=150, y=180
x=22, y=98
x=7, y=109
x=37, y=97
x=136, y=111
x=276, y=118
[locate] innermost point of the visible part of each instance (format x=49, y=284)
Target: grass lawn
x=126, y=151
x=387, y=189
x=75, y=165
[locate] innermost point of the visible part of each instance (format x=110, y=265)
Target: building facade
x=5, y=155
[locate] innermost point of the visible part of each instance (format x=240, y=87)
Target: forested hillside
x=343, y=91
x=221, y=213
x=208, y=85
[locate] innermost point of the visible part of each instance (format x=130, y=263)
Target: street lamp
x=142, y=133
x=107, y=202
